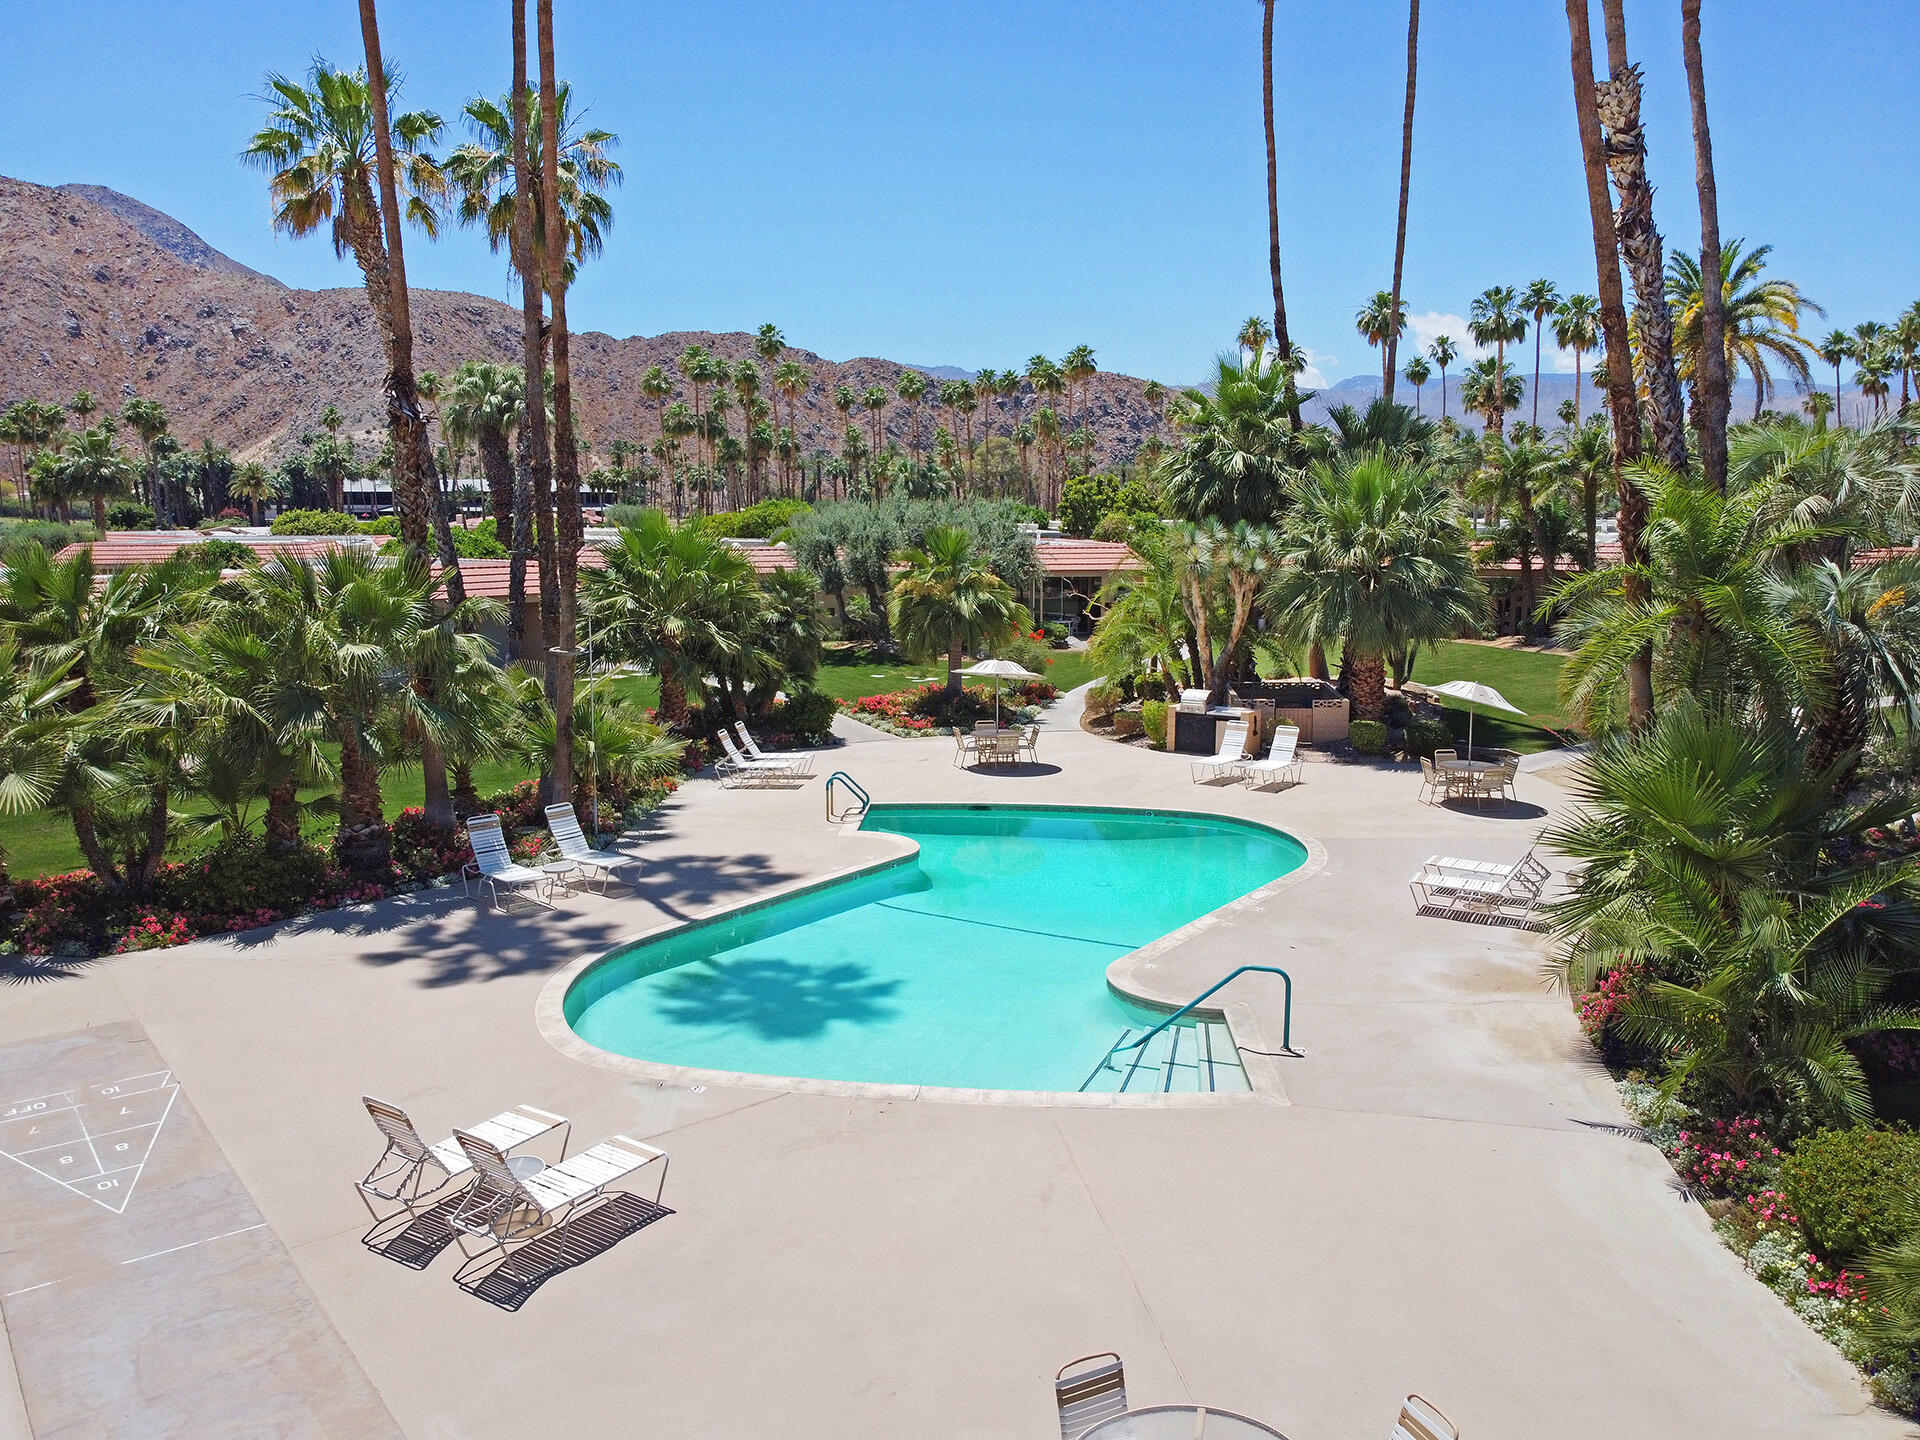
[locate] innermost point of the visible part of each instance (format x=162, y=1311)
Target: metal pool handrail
x=1286, y=1023
x=865, y=800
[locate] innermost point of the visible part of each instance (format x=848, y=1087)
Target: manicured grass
x=1526, y=678
x=845, y=676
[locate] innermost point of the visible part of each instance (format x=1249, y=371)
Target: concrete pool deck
x=1440, y=1207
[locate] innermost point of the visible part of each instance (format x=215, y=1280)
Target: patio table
x=1181, y=1422
x=1472, y=771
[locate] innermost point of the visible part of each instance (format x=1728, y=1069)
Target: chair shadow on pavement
x=510, y=1284
x=418, y=1239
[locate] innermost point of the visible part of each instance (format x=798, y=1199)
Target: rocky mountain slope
x=101, y=292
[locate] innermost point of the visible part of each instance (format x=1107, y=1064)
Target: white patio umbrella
x=1478, y=694
x=996, y=671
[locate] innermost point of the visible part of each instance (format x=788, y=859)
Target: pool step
x=1194, y=1059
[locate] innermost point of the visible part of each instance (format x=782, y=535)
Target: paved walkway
x=1440, y=1207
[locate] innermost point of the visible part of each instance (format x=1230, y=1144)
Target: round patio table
x=1181, y=1422
x=1473, y=768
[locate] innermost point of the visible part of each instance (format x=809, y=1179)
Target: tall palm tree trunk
x=1406, y=175
x=415, y=486
x=533, y=511
x=1623, y=404
x=1282, y=339
x=1711, y=383
x=566, y=457
x=1618, y=103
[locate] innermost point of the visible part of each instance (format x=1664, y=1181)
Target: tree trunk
x=283, y=815
x=496, y=463
x=1617, y=101
x=362, y=840
x=1711, y=379
x=1406, y=176
x=1282, y=340
x=533, y=425
x=466, y=799
x=1365, y=672
x=519, y=542
x=561, y=629
x=1623, y=406
x=86, y=833
x=954, y=657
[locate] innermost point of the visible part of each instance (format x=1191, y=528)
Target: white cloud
x=1313, y=377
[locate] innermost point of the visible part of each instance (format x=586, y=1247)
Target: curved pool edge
x=549, y=1010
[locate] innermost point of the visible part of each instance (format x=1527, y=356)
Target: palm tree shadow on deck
x=777, y=999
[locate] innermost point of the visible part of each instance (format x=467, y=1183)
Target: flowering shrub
x=1849, y=1187
x=61, y=914
x=932, y=708
x=1602, y=1005
x=151, y=932
x=421, y=850
x=1727, y=1157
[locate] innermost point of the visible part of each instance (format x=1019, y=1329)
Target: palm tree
x=1762, y=321
x=1417, y=374
x=1906, y=344
x=1253, y=338
x=911, y=387
x=1497, y=319
x=254, y=484
x=1380, y=322
x=1586, y=457
x=1871, y=375
x=1617, y=104
x=1395, y=305
x=1442, y=352
x=1860, y=487
x=657, y=386
x=1490, y=392
x=35, y=726
x=1282, y=337
x=323, y=145
x=148, y=420
x=481, y=172
x=1374, y=555
x=793, y=380
x=1576, y=327
x=484, y=406
x=1145, y=619
x=875, y=400
x=1222, y=568
x=1514, y=475
x=1708, y=615
x=1232, y=464
x=769, y=344
x=1863, y=621
x=670, y=599
x=1540, y=300
x=1836, y=349
x=94, y=466
x=947, y=601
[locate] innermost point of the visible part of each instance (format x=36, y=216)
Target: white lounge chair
x=1466, y=893
x=1089, y=1396
x=493, y=864
x=1281, y=763
x=1526, y=866
x=572, y=843
x=739, y=768
x=403, y=1175
x=1421, y=1419
x=800, y=761
x=1226, y=760
x=502, y=1207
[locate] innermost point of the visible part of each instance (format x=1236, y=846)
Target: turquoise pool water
x=980, y=964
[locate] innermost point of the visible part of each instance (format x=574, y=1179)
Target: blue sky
x=967, y=184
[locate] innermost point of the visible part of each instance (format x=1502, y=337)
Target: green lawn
x=848, y=676
x=1527, y=678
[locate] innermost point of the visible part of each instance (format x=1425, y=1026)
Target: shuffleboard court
x=144, y=1295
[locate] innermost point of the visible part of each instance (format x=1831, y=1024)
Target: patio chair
x=800, y=761
x=1282, y=761
x=573, y=845
x=493, y=865
x=738, y=768
x=965, y=751
x=1090, y=1396
x=1431, y=781
x=503, y=1208
x=1030, y=744
x=403, y=1173
x=1421, y=1419
x=1226, y=760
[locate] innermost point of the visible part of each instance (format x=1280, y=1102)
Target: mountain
x=165, y=231
x=103, y=293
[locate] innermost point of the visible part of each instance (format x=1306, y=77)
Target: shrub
x=218, y=554
x=860, y=622
x=764, y=521
x=478, y=543
x=1426, y=736
x=1150, y=684
x=1055, y=634
x=1153, y=719
x=381, y=525
x=1399, y=712
x=1848, y=1187
x=807, y=716
x=1126, y=724
x=1027, y=654
x=130, y=515
x=246, y=878
x=51, y=533
x=1102, y=700
x=1728, y=1157
x=315, y=522
x=1369, y=737
x=422, y=851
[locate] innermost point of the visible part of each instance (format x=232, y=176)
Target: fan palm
x=1373, y=554
x=1586, y=460
x=1490, y=390
x=1231, y=466
x=1417, y=373
x=1513, y=476
x=1442, y=352
x=35, y=721
x=483, y=407
x=1541, y=299
x=481, y=172
x=1866, y=623
x=1496, y=319
x=1709, y=612
x=947, y=602
x=94, y=466
x=1379, y=322
x=148, y=420
x=1835, y=350
x=1763, y=319
x=1576, y=327
x=1145, y=621
x=1862, y=486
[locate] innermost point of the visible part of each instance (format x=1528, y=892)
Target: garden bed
x=930, y=710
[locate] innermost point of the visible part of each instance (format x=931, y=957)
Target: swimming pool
x=978, y=963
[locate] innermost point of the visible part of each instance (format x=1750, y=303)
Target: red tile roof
x=487, y=579
x=117, y=551
x=1607, y=552
x=1084, y=557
